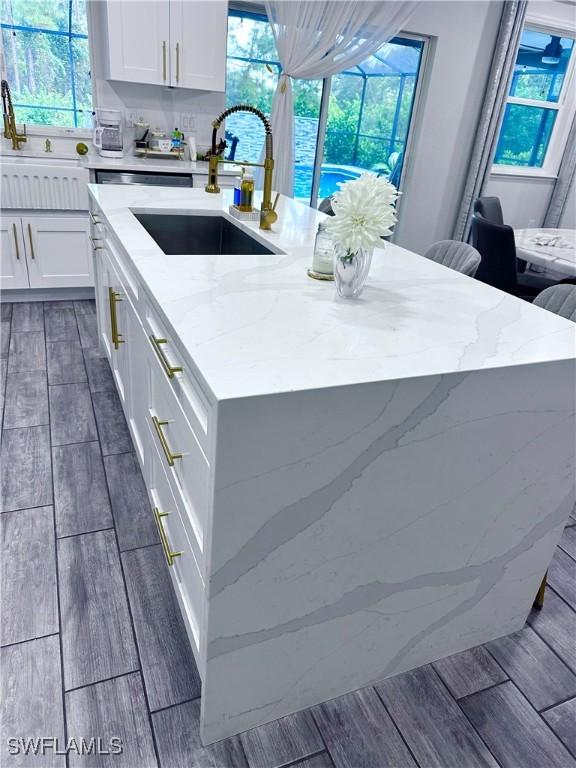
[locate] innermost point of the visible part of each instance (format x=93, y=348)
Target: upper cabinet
x=180, y=43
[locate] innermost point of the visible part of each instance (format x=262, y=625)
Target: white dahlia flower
x=363, y=213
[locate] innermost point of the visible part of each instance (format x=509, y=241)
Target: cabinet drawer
x=182, y=457
x=182, y=382
x=183, y=568
x=101, y=241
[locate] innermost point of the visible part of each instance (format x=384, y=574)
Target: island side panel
x=359, y=532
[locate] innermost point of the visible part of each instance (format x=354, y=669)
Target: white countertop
x=127, y=163
x=255, y=325
x=154, y=165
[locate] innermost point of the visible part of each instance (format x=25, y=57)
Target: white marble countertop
x=255, y=325
x=127, y=163
x=154, y=165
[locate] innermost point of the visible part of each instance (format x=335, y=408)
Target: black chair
x=499, y=265
x=496, y=245
x=490, y=208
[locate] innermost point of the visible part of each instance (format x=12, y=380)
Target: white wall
x=463, y=37
x=524, y=199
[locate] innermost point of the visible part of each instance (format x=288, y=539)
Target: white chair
x=455, y=255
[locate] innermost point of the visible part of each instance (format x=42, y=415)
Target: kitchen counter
x=259, y=325
x=378, y=483
x=154, y=165
x=126, y=163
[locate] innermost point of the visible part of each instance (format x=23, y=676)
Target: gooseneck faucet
x=10, y=129
x=268, y=213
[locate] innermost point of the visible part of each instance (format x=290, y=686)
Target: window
x=363, y=125
x=536, y=100
x=45, y=47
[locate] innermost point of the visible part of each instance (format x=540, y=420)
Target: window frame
x=39, y=129
x=565, y=109
x=258, y=12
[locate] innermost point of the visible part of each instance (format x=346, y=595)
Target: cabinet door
x=58, y=251
x=103, y=283
x=136, y=348
x=13, y=271
x=139, y=41
x=198, y=33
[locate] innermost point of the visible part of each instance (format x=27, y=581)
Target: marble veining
x=388, y=477
x=255, y=325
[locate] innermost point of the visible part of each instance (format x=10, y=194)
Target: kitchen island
x=343, y=490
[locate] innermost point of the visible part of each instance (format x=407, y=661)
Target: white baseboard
x=45, y=294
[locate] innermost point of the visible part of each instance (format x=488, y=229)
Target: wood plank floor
x=85, y=606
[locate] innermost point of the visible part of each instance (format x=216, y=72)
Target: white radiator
x=57, y=187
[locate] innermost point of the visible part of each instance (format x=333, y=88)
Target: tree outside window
x=45, y=47
x=369, y=109
x=534, y=100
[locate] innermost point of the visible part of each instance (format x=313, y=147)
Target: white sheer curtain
x=316, y=39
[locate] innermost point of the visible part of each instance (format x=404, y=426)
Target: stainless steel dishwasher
x=160, y=179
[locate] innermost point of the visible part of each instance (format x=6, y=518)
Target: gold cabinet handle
x=163, y=442
x=94, y=246
x=164, y=60
x=177, y=62
x=95, y=219
x=31, y=241
x=113, y=299
x=169, y=370
x=15, y=231
x=168, y=553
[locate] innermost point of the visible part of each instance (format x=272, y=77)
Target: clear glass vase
x=351, y=271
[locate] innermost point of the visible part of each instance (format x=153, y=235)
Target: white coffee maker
x=108, y=133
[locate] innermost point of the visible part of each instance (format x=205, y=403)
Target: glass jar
x=323, y=259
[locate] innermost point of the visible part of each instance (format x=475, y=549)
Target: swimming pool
x=330, y=176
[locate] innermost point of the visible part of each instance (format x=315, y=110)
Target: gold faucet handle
x=268, y=216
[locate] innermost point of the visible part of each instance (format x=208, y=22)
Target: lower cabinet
x=175, y=469
x=45, y=252
x=13, y=265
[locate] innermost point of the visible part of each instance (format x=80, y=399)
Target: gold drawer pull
x=15, y=232
x=163, y=442
x=31, y=241
x=169, y=370
x=168, y=554
x=113, y=299
x=164, y=60
x=95, y=219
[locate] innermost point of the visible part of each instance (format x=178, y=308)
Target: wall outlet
x=187, y=123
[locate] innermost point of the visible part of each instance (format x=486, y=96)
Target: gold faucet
x=10, y=129
x=268, y=213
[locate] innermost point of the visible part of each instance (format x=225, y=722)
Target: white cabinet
x=13, y=269
x=58, y=251
x=198, y=36
x=180, y=43
x=122, y=338
x=139, y=41
x=45, y=252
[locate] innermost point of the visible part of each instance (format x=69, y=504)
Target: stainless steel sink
x=199, y=234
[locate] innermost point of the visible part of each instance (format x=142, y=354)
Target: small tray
x=319, y=275
x=244, y=215
x=155, y=153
